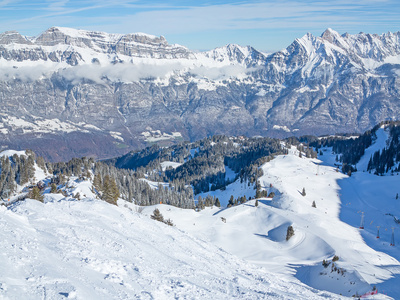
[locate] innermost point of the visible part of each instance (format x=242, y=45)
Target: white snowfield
x=169, y=164
x=41, y=125
x=92, y=250
x=258, y=234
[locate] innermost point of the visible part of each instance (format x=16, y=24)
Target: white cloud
x=4, y=3
x=57, y=5
x=119, y=72
x=265, y=15
x=24, y=73
x=124, y=72
x=220, y=73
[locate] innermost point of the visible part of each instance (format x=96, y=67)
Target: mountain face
x=103, y=94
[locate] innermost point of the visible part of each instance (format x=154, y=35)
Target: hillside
x=89, y=249
x=76, y=245
x=257, y=234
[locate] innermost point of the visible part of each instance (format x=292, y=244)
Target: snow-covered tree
x=157, y=215
x=36, y=194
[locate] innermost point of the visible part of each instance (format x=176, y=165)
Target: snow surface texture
x=89, y=249
x=258, y=234
x=92, y=250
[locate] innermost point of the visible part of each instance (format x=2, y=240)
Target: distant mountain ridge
x=109, y=93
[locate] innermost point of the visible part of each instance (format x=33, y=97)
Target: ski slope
x=257, y=234
x=89, y=249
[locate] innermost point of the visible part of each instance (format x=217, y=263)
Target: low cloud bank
x=123, y=72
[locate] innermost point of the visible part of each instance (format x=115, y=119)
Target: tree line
x=203, y=163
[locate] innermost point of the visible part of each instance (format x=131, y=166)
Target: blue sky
x=202, y=25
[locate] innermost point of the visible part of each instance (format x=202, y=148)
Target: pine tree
x=97, y=182
x=62, y=178
x=313, y=204
x=169, y=222
x=258, y=193
x=53, y=188
x=157, y=215
x=41, y=163
x=397, y=196
x=200, y=203
x=256, y=204
x=217, y=203
x=303, y=193
x=114, y=191
x=110, y=190
x=35, y=194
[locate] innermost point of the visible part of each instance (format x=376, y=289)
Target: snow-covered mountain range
x=120, y=92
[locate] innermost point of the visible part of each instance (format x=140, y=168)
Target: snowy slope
x=380, y=143
x=92, y=250
x=258, y=234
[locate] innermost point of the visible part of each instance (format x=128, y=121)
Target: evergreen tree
x=256, y=204
x=258, y=193
x=231, y=201
x=35, y=193
x=303, y=193
x=157, y=215
x=53, y=188
x=313, y=204
x=110, y=190
x=200, y=203
x=217, y=203
x=62, y=178
x=169, y=222
x=97, y=182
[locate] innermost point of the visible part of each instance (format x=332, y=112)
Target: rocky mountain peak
x=330, y=35
x=13, y=37
x=233, y=53
x=143, y=38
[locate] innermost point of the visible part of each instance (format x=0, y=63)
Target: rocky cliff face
x=103, y=94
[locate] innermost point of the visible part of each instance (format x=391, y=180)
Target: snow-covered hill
x=257, y=234
x=92, y=250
